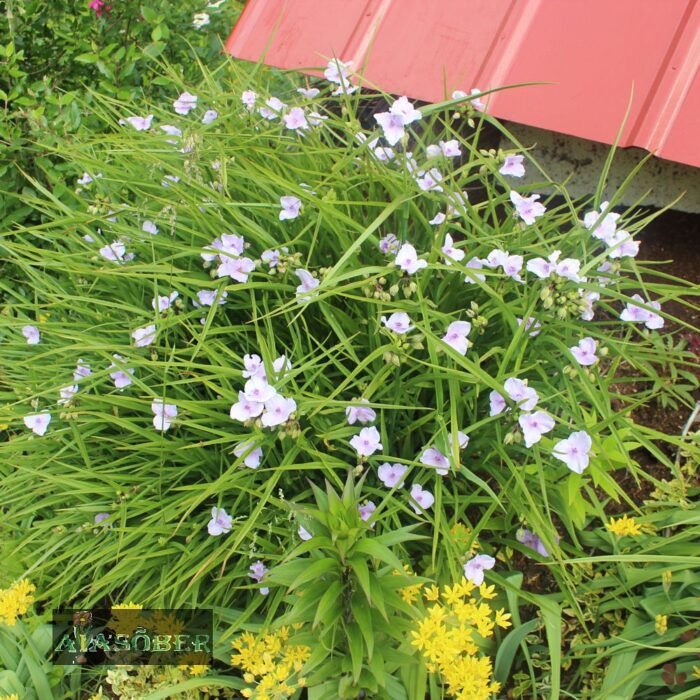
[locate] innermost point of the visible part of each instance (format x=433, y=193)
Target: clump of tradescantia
x=424, y=349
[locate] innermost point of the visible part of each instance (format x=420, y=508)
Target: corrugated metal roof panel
x=597, y=57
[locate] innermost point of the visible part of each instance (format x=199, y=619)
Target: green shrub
x=55, y=56
x=204, y=508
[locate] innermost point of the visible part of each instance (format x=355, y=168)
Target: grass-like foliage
x=366, y=383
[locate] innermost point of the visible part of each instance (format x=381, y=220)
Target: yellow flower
x=14, y=696
x=624, y=526
x=15, y=601
x=503, y=619
x=432, y=594
x=661, y=624
x=487, y=592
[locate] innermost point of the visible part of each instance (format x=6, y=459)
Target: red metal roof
x=598, y=56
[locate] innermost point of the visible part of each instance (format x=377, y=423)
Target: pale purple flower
x=432, y=457
x=366, y=510
x=101, y=517
x=456, y=336
x=496, y=258
x=391, y=475
x=338, y=72
x=245, y=409
x=163, y=303
x=622, y=245
x=569, y=269
x=392, y=125
x=82, y=370
x=209, y=116
x=534, y=426
x=309, y=93
x=462, y=439
x=438, y=219
x=169, y=180
x=367, y=442
x=254, y=366
x=512, y=266
x=513, y=166
x=185, y=103
x=449, y=149
x=475, y=567
x=398, y=322
x=290, y=207
x=430, y=180
x=383, y=153
x=474, y=264
x=207, y=297
x=407, y=259
x=257, y=573
x=589, y=298
x=281, y=365
x=359, y=413
x=584, y=352
x=308, y=284
x=251, y=455
x=273, y=109
x=248, y=98
x=532, y=326
x=278, y=409
x=636, y=314
x=422, y=498
x=405, y=110
x=116, y=252
x=220, y=522
x=67, y=393
x=38, y=423
x=304, y=534
x=171, y=130
x=86, y=179
x=237, y=269
x=497, y=403
x=295, y=119
x=544, y=268
x=149, y=227
x=32, y=335
x=574, y=451
x=163, y=414
x=140, y=123
x=257, y=389
x=523, y=395
x=450, y=252
x=144, y=336
x=390, y=244
x=531, y=540
x=602, y=227
x=527, y=208
x=121, y=377
x=475, y=101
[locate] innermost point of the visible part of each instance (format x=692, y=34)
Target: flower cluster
x=270, y=663
x=15, y=601
x=446, y=638
x=624, y=526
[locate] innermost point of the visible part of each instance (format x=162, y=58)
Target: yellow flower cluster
x=624, y=526
x=15, y=601
x=445, y=638
x=271, y=663
x=14, y=696
x=409, y=593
